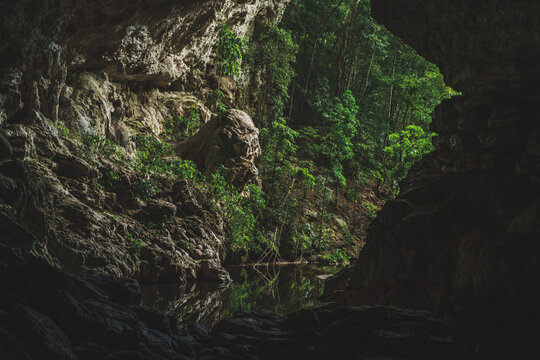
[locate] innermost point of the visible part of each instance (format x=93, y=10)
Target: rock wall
x=108, y=70
x=462, y=237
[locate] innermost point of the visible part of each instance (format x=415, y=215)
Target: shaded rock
x=43, y=337
x=55, y=315
x=338, y=333
x=158, y=210
x=125, y=291
x=15, y=235
x=228, y=87
x=6, y=151
x=211, y=270
x=90, y=351
x=73, y=167
x=230, y=139
x=76, y=70
x=11, y=348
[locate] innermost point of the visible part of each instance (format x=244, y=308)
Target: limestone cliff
x=99, y=72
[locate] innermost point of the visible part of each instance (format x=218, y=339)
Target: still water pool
x=279, y=288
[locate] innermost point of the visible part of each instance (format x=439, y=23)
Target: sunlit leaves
x=406, y=147
x=342, y=125
x=228, y=51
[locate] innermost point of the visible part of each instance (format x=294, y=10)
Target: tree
x=342, y=126
x=405, y=148
x=271, y=60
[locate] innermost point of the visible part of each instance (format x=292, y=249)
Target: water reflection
x=280, y=288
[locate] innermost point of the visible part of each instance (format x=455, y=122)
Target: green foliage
x=146, y=188
x=186, y=125
x=136, y=124
x=271, y=58
x=63, y=130
x=241, y=211
x=342, y=126
x=337, y=256
x=371, y=211
x=135, y=243
x=115, y=175
x=341, y=104
x=155, y=164
x=357, y=84
x=186, y=169
x=405, y=148
x=150, y=153
x=101, y=145
x=217, y=103
x=228, y=51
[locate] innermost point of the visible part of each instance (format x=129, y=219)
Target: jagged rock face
x=108, y=69
x=462, y=237
x=232, y=140
x=481, y=47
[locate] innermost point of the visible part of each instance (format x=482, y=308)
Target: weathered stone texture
x=230, y=139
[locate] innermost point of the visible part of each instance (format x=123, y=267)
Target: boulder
x=230, y=139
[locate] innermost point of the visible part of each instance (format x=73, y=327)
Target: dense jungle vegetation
x=343, y=109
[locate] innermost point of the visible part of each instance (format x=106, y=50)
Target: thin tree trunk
x=311, y=63
x=389, y=120
x=366, y=80
x=339, y=61
x=352, y=66
x=391, y=96
x=291, y=103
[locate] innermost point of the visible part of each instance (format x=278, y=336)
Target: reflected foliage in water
x=282, y=289
x=279, y=288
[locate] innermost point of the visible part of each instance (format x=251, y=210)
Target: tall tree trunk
x=389, y=121
x=291, y=102
x=308, y=77
x=368, y=72
x=352, y=66
x=339, y=60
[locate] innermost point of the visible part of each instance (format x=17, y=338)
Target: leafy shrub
x=101, y=145
x=228, y=51
x=371, y=211
x=217, y=96
x=146, y=188
x=115, y=175
x=336, y=256
x=150, y=153
x=337, y=144
x=186, y=169
x=62, y=129
x=405, y=148
x=186, y=125
x=136, y=243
